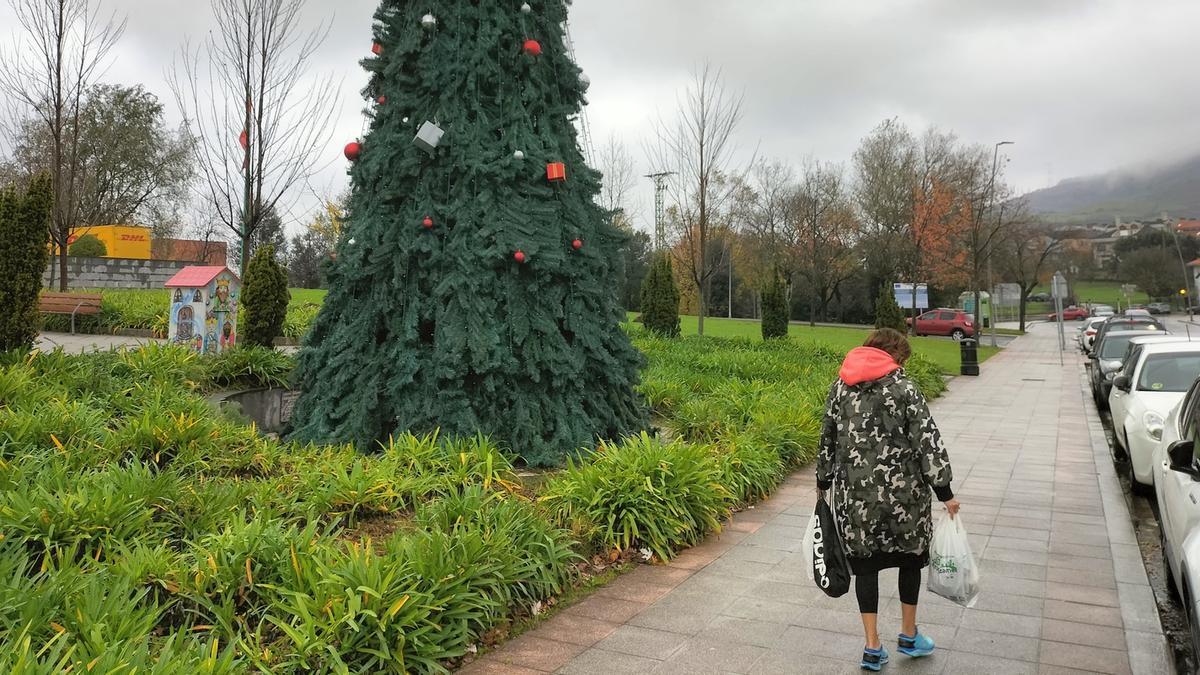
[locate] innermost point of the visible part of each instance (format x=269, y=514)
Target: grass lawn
x=1101, y=293
x=943, y=352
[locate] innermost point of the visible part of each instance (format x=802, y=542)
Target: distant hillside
x=1132, y=195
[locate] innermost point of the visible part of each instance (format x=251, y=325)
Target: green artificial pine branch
x=439, y=326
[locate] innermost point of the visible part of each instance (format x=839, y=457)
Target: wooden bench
x=69, y=303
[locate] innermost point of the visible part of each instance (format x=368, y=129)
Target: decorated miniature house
x=204, y=307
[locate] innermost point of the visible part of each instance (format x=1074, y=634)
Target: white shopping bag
x=953, y=573
x=810, y=540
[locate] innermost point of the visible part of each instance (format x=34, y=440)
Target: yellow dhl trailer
x=121, y=241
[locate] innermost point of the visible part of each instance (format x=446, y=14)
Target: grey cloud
x=1083, y=86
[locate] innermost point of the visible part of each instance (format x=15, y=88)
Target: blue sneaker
x=873, y=659
x=916, y=645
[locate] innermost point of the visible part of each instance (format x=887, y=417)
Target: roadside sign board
x=1058, y=287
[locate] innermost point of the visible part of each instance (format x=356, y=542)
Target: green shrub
x=88, y=246
x=749, y=471
x=264, y=299
x=642, y=493
x=775, y=309
x=249, y=367
x=24, y=235
x=887, y=313
x=660, y=298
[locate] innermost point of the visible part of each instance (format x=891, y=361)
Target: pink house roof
x=196, y=276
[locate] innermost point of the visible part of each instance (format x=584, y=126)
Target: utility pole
x=1187, y=280
x=660, y=208
x=991, y=300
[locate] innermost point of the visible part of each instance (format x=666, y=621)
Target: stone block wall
x=116, y=272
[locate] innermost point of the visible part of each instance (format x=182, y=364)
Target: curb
x=1144, y=639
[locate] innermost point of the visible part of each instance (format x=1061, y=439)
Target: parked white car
x=1154, y=378
x=1087, y=334
x=1177, y=477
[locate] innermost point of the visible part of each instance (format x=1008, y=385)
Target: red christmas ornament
x=428, y=223
x=376, y=49
x=520, y=257
x=381, y=100
x=353, y=151
x=577, y=244
x=533, y=48
x=556, y=172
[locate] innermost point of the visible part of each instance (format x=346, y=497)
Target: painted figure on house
x=228, y=337
x=185, y=324
x=210, y=334
x=225, y=301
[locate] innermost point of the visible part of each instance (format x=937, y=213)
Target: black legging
x=866, y=587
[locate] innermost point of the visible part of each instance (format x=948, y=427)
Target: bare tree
x=1025, y=253
x=616, y=163
x=61, y=49
x=698, y=146
x=824, y=229
x=254, y=82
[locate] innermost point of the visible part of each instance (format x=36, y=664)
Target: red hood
x=865, y=364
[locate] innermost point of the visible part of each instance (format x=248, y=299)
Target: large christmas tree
x=474, y=289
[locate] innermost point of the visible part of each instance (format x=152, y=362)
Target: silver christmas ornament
x=429, y=22
x=351, y=242
x=428, y=137
x=518, y=155
x=585, y=81
x=525, y=8
x=405, y=120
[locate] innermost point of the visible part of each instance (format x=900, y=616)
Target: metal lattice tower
x=660, y=207
x=585, y=127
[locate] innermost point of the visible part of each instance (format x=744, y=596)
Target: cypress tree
x=887, y=313
x=475, y=289
x=775, y=310
x=660, y=297
x=265, y=299
x=24, y=252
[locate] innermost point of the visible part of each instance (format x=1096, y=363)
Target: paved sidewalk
x=1064, y=587
x=80, y=342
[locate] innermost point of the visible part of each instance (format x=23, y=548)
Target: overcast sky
x=1081, y=86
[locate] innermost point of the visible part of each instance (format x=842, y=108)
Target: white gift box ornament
x=429, y=136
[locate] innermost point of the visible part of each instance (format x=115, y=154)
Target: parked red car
x=953, y=322
x=1071, y=313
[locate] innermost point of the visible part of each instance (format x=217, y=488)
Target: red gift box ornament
x=556, y=172
x=533, y=48
x=376, y=49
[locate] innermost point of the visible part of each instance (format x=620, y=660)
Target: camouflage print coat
x=880, y=456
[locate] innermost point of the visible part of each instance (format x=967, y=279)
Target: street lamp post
x=991, y=205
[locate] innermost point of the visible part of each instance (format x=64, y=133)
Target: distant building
x=133, y=242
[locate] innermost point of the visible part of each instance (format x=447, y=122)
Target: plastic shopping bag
x=953, y=573
x=830, y=567
x=806, y=550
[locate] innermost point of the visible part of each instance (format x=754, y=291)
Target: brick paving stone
x=607, y=609
x=716, y=656
x=1085, y=657
x=533, y=651
x=486, y=666
x=996, y=644
x=638, y=641
x=576, y=629
x=595, y=661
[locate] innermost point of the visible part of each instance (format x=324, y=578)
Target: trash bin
x=969, y=350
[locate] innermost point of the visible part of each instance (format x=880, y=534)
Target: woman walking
x=880, y=457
